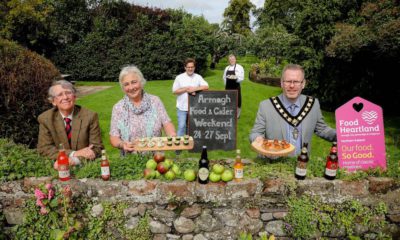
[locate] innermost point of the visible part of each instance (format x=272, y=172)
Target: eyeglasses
x=294, y=82
x=66, y=93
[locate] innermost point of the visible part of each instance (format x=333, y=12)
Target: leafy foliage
x=224, y=43
x=272, y=67
x=347, y=48
x=237, y=17
x=25, y=78
x=69, y=217
x=273, y=41
x=58, y=218
x=27, y=22
x=94, y=39
x=307, y=216
x=18, y=162
x=111, y=223
x=130, y=168
x=362, y=57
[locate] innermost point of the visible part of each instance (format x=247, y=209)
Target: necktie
x=68, y=129
x=292, y=109
x=295, y=131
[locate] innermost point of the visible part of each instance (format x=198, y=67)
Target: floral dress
x=130, y=122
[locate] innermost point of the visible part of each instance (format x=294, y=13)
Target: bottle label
x=331, y=168
x=330, y=172
x=300, y=171
x=63, y=173
x=203, y=174
x=105, y=171
x=238, y=173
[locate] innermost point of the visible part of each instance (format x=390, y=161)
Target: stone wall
x=270, y=81
x=256, y=76
x=188, y=210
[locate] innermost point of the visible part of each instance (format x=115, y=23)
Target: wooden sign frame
x=212, y=119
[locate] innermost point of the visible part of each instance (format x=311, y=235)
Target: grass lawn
x=252, y=94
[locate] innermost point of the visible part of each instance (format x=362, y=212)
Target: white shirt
x=184, y=80
x=69, y=116
x=239, y=72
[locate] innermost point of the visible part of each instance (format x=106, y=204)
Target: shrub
x=272, y=67
x=18, y=162
x=309, y=217
x=25, y=78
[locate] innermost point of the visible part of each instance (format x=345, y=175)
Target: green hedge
x=157, y=41
x=25, y=77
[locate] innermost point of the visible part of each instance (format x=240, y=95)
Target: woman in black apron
x=232, y=84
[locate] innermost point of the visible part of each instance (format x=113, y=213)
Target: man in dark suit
x=291, y=116
x=75, y=127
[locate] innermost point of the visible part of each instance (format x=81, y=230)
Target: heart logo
x=358, y=106
x=369, y=117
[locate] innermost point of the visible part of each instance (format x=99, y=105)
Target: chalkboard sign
x=212, y=119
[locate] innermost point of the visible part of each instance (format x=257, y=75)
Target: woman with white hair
x=138, y=114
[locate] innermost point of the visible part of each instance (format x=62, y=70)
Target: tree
x=27, y=22
x=224, y=43
x=237, y=17
x=363, y=56
x=308, y=26
x=274, y=41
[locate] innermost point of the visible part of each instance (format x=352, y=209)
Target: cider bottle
x=204, y=167
x=331, y=163
x=238, y=167
x=63, y=164
x=301, y=167
x=105, y=166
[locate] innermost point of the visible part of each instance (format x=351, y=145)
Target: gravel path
x=86, y=90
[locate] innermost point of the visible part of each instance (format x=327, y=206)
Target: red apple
x=162, y=168
x=159, y=157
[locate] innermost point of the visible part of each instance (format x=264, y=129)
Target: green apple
x=175, y=168
x=149, y=173
x=151, y=164
x=214, y=177
x=157, y=175
x=227, y=175
x=168, y=163
x=218, y=168
x=170, y=175
x=189, y=175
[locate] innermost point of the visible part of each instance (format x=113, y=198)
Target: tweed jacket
x=270, y=125
x=85, y=131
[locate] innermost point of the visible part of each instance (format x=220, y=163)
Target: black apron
x=232, y=84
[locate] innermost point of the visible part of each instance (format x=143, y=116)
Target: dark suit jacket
x=85, y=131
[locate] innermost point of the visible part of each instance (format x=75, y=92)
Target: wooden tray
x=165, y=147
x=257, y=146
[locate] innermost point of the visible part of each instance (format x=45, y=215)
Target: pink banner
x=360, y=135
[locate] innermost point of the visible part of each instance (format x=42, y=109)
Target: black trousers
x=233, y=85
